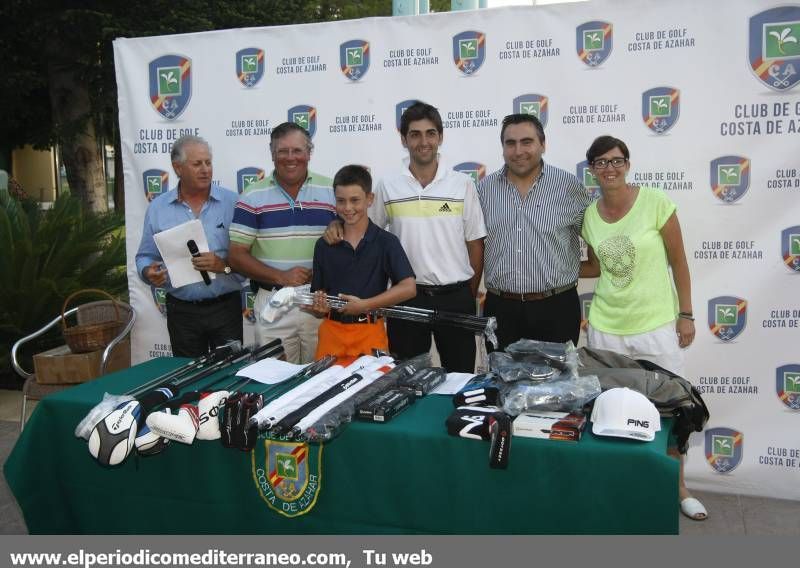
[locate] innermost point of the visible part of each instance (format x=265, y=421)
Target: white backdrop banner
x=704, y=93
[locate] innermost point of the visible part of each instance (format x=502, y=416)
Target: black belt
x=428, y=290
x=255, y=285
x=532, y=296
x=208, y=302
x=360, y=318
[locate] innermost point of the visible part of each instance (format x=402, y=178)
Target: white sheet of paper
x=270, y=371
x=453, y=383
x=172, y=246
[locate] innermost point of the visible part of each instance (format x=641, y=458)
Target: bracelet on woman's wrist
x=686, y=316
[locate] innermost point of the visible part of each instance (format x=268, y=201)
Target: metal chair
x=32, y=390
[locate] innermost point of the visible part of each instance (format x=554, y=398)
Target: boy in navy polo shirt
x=357, y=269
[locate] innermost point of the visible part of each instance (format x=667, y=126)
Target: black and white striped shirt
x=533, y=243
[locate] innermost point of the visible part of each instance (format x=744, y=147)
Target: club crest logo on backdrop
x=774, y=47
x=594, y=41
x=304, y=116
x=588, y=179
x=248, y=305
x=354, y=58
x=250, y=66
x=790, y=247
x=288, y=475
x=170, y=85
x=469, y=51
x=160, y=298
x=723, y=449
x=727, y=316
x=586, y=303
x=660, y=108
x=400, y=108
x=473, y=169
x=537, y=105
x=248, y=176
x=787, y=385
x=155, y=183
x=730, y=178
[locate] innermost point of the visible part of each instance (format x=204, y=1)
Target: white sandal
x=694, y=509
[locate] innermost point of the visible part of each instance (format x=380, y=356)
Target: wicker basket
x=96, y=328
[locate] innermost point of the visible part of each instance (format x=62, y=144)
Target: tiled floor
x=728, y=514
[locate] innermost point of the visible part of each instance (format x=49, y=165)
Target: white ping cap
x=625, y=413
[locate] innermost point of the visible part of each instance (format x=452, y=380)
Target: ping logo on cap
x=625, y=413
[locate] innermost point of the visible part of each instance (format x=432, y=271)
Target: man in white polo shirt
x=435, y=213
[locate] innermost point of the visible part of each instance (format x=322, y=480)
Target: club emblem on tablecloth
x=288, y=475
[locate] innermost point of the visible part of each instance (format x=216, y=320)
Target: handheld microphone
x=192, y=246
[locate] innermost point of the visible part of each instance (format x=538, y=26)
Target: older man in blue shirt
x=199, y=316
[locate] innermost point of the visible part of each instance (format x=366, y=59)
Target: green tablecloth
x=405, y=476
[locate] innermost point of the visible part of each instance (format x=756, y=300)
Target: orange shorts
x=351, y=339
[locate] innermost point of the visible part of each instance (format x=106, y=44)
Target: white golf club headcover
x=282, y=298
x=208, y=408
x=279, y=303
x=148, y=442
x=181, y=427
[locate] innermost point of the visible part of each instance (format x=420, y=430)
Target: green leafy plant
x=47, y=255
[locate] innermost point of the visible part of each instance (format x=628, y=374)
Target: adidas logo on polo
x=445, y=209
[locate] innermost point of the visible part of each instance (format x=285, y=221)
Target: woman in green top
x=634, y=240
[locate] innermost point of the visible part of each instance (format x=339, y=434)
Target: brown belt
x=532, y=296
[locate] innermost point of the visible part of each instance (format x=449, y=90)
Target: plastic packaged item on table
x=386, y=405
x=561, y=356
x=563, y=394
x=329, y=425
x=424, y=381
x=402, y=371
x=511, y=371
x=100, y=411
x=481, y=390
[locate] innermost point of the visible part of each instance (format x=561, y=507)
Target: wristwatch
x=227, y=269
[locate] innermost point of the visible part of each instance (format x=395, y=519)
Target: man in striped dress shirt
x=533, y=213
x=275, y=226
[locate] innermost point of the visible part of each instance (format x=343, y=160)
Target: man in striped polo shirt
x=275, y=226
x=533, y=213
